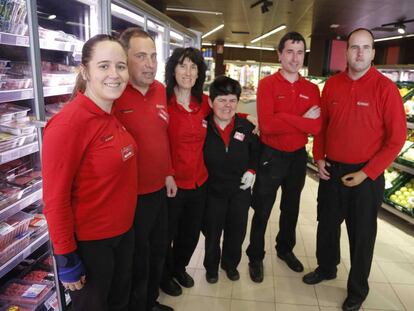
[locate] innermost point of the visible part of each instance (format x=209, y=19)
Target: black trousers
x=358, y=206
x=108, y=265
x=277, y=168
x=151, y=236
x=185, y=216
x=226, y=212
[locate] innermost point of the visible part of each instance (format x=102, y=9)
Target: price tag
x=34, y=291
x=52, y=302
x=22, y=41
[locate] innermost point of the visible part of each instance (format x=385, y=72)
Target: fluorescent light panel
x=176, y=35
x=259, y=48
x=123, y=12
x=212, y=31
x=281, y=27
x=388, y=38
x=193, y=11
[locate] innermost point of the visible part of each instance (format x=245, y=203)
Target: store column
x=219, y=58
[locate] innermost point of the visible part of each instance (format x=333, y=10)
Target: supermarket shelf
x=403, y=168
x=21, y=94
x=398, y=213
x=20, y=204
x=12, y=39
x=13, y=262
x=410, y=125
x=19, y=152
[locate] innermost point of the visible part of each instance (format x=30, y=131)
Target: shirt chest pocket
x=279, y=102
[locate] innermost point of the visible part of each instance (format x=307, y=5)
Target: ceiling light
x=211, y=31
x=259, y=48
x=401, y=29
x=125, y=14
x=53, y=16
x=229, y=45
x=281, y=27
x=307, y=51
x=388, y=38
x=193, y=11
x=207, y=43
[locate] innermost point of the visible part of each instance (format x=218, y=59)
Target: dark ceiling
x=309, y=17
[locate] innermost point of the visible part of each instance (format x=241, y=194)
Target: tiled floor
x=391, y=279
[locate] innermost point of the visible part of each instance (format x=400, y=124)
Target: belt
x=285, y=154
x=346, y=166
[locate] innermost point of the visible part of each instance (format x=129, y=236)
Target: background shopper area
x=40, y=52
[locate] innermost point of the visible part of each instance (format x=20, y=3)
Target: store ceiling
x=309, y=17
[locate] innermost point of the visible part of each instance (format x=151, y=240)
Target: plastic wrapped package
x=13, y=226
x=9, y=194
x=39, y=276
x=58, y=78
x=18, y=127
x=7, y=306
x=16, y=246
x=11, y=111
x=28, y=181
x=31, y=294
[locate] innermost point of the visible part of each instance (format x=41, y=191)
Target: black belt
x=284, y=154
x=346, y=166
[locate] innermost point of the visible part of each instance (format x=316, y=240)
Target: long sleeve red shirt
x=89, y=175
x=187, y=132
x=280, y=106
x=146, y=118
x=363, y=121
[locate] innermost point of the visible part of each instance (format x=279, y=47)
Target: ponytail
x=80, y=86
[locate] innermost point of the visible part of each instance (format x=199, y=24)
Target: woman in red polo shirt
x=89, y=171
x=187, y=108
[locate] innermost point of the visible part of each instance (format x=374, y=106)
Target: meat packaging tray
x=30, y=294
x=18, y=127
x=39, y=276
x=9, y=194
x=11, y=111
x=9, y=141
x=15, y=247
x=13, y=226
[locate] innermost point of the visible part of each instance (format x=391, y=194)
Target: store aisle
x=391, y=280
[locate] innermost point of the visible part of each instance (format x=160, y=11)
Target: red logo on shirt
x=303, y=96
x=363, y=104
x=127, y=152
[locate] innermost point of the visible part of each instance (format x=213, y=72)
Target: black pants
x=185, y=216
x=359, y=207
x=151, y=236
x=277, y=168
x=228, y=212
x=108, y=265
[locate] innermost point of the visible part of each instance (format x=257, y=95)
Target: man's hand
x=314, y=112
x=354, y=179
x=254, y=121
x=171, y=186
x=75, y=285
x=323, y=173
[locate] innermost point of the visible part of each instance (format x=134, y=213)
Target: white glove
x=247, y=180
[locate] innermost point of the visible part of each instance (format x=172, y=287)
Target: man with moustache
x=288, y=110
x=142, y=109
x=363, y=129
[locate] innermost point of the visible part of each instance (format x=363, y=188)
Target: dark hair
x=223, y=85
x=87, y=53
x=133, y=32
x=359, y=29
x=294, y=36
x=178, y=56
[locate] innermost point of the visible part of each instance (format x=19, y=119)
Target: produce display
x=403, y=197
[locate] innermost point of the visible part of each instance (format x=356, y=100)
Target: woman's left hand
x=255, y=122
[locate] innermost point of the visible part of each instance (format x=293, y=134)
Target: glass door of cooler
x=23, y=230
x=158, y=32
x=123, y=18
x=176, y=40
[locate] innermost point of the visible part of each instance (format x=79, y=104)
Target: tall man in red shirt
x=363, y=129
x=288, y=110
x=142, y=109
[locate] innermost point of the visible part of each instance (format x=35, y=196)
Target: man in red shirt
x=288, y=110
x=142, y=109
x=363, y=129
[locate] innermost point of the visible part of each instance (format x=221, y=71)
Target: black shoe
x=171, y=288
x=211, y=277
x=351, y=304
x=184, y=279
x=232, y=274
x=160, y=307
x=316, y=277
x=292, y=262
x=256, y=271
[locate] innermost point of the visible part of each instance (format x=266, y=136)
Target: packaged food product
x=28, y=181
x=11, y=111
x=39, y=276
x=18, y=127
x=9, y=194
x=25, y=292
x=16, y=246
x=7, y=306
x=13, y=226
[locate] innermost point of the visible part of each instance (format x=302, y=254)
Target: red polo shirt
x=187, y=132
x=89, y=175
x=146, y=118
x=280, y=106
x=363, y=121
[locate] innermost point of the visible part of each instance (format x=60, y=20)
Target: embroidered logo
x=239, y=136
x=303, y=96
x=363, y=104
x=204, y=123
x=127, y=152
x=163, y=115
x=127, y=110
x=281, y=97
x=160, y=106
x=107, y=138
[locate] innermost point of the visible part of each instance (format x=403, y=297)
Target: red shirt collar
x=371, y=71
x=280, y=77
x=225, y=133
x=150, y=90
x=90, y=105
x=194, y=105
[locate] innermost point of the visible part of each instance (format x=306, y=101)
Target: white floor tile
x=222, y=288
x=294, y=291
x=246, y=289
x=293, y=307
x=382, y=296
x=331, y=293
x=200, y=303
x=280, y=268
x=398, y=272
x=244, y=305
x=406, y=295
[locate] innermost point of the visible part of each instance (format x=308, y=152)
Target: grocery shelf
x=18, y=152
x=24, y=202
x=52, y=302
x=34, y=245
x=403, y=168
x=398, y=213
x=12, y=39
x=21, y=94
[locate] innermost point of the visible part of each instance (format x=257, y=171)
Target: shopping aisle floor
x=391, y=280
